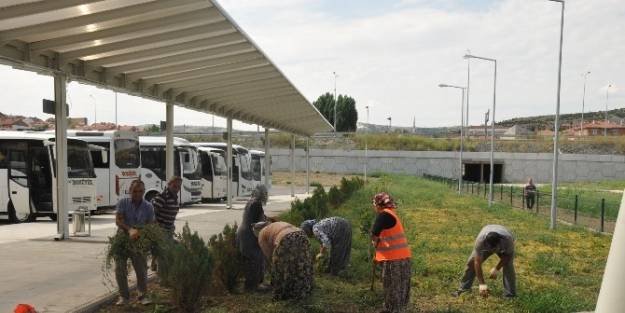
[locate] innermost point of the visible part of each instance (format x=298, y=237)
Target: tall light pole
x=468, y=88
x=335, y=102
x=607, y=95
x=389, y=124
x=492, y=134
x=95, y=109
x=556, y=129
x=463, y=89
x=366, y=147
x=581, y=126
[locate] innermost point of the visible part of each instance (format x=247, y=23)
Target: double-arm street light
x=607, y=97
x=492, y=134
x=556, y=129
x=463, y=89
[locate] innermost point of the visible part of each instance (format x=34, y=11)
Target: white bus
x=118, y=169
x=214, y=173
x=259, y=172
x=28, y=172
x=186, y=165
x=242, y=180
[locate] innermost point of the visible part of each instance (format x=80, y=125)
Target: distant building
x=481, y=131
x=516, y=132
x=598, y=128
x=77, y=122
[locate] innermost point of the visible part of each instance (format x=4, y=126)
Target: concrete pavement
x=59, y=276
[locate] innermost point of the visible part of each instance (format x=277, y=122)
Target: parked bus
x=28, y=172
x=214, y=173
x=121, y=166
x=242, y=181
x=186, y=165
x=259, y=171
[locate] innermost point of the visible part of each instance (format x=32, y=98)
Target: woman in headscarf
x=335, y=236
x=248, y=243
x=288, y=249
x=392, y=251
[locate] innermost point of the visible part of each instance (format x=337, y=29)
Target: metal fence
x=588, y=208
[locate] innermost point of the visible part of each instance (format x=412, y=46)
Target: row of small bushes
x=319, y=204
x=187, y=265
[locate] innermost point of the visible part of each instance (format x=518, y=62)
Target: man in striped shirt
x=166, y=205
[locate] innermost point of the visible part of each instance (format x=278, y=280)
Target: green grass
x=556, y=271
x=589, y=199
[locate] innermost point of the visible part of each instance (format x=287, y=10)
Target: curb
x=105, y=300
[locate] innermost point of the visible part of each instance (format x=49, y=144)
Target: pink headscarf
x=384, y=200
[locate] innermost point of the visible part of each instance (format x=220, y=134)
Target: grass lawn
x=589, y=198
x=556, y=271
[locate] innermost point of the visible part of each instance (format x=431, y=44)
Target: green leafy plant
x=151, y=240
x=228, y=264
x=190, y=266
x=335, y=197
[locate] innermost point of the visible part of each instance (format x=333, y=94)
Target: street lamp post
x=468, y=89
x=492, y=134
x=556, y=129
x=581, y=126
x=607, y=95
x=335, y=102
x=366, y=147
x=464, y=90
x=389, y=124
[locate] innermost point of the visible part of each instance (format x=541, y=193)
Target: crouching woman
x=287, y=250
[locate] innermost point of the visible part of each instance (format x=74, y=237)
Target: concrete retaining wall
x=517, y=167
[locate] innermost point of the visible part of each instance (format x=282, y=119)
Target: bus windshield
x=190, y=163
x=220, y=166
x=127, y=153
x=256, y=167
x=79, y=164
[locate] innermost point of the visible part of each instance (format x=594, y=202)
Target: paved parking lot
x=59, y=276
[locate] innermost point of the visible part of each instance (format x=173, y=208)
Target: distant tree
x=346, y=113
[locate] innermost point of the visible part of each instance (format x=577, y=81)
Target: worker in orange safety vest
x=393, y=253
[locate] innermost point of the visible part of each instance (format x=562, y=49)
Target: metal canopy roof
x=187, y=51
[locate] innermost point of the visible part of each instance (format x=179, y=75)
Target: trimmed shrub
x=189, y=269
x=335, y=197
x=349, y=186
x=228, y=263
x=314, y=207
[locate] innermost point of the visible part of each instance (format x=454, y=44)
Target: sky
x=391, y=55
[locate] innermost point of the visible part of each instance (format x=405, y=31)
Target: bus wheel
x=52, y=216
x=150, y=195
x=21, y=218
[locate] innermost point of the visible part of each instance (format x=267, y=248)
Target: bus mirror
x=105, y=156
x=187, y=158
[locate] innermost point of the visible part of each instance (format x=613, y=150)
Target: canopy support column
x=307, y=164
x=229, y=161
x=292, y=165
x=169, y=140
x=60, y=118
x=267, y=159
x=611, y=298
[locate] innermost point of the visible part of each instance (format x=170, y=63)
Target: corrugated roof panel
x=188, y=51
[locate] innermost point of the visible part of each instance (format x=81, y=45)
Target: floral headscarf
x=384, y=200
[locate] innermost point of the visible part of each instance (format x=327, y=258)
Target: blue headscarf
x=307, y=226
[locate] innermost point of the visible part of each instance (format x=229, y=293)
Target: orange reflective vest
x=392, y=243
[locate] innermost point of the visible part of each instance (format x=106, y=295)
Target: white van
x=242, y=181
x=214, y=173
x=118, y=169
x=28, y=172
x=259, y=172
x=186, y=165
